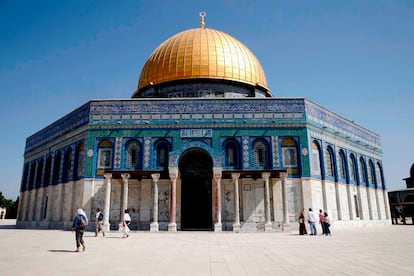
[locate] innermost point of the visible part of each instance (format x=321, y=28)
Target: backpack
x=100, y=217
x=82, y=223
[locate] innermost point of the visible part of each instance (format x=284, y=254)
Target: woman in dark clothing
x=79, y=224
x=302, y=227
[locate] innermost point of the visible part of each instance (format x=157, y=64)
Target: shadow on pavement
x=62, y=251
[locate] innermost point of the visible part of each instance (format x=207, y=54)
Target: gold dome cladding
x=202, y=53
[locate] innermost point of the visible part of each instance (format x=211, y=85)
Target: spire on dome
x=202, y=15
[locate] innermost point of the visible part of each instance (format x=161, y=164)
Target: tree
x=10, y=205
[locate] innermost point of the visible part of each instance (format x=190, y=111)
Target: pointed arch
x=261, y=154
x=80, y=161
x=67, y=165
x=231, y=148
x=162, y=152
x=56, y=167
x=316, y=159
x=363, y=171
x=371, y=174
x=105, y=154
x=342, y=172
x=289, y=153
x=133, y=155
x=48, y=168
x=380, y=176
x=329, y=162
x=353, y=170
x=39, y=173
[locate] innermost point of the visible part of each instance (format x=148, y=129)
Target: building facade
x=202, y=145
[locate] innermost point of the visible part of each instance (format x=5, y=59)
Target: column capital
x=155, y=176
x=173, y=172
x=217, y=173
x=125, y=176
x=283, y=176
x=108, y=176
x=265, y=176
x=235, y=176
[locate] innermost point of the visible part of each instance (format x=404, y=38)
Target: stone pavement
x=387, y=250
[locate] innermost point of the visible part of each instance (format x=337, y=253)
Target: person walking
x=79, y=225
x=311, y=221
x=125, y=223
x=302, y=227
x=99, y=222
x=322, y=221
x=327, y=224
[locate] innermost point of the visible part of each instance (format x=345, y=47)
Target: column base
x=236, y=227
x=268, y=227
x=172, y=227
x=106, y=227
x=154, y=227
x=218, y=227
x=286, y=227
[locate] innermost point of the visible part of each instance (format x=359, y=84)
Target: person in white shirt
x=99, y=222
x=311, y=221
x=125, y=223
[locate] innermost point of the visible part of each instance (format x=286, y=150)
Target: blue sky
x=353, y=57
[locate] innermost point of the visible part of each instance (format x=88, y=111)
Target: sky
x=353, y=57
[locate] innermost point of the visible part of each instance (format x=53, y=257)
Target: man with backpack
x=79, y=225
x=99, y=222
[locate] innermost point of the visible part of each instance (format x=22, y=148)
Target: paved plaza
x=387, y=250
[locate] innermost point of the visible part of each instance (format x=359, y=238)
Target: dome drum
x=201, y=88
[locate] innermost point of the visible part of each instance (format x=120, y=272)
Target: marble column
x=377, y=204
x=107, y=204
x=268, y=222
x=172, y=225
x=368, y=190
x=154, y=227
x=236, y=224
x=217, y=177
x=125, y=178
x=386, y=206
x=360, y=209
x=350, y=201
x=286, y=223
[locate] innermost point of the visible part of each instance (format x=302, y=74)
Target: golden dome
x=202, y=53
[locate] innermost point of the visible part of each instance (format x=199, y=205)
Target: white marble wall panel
x=116, y=201
x=371, y=193
x=163, y=201
x=343, y=201
x=253, y=201
x=364, y=204
x=277, y=200
x=32, y=199
x=134, y=190
x=227, y=202
x=332, y=208
x=146, y=200
x=295, y=198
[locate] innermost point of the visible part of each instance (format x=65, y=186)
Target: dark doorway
x=196, y=203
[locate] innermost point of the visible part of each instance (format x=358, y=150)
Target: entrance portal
x=196, y=175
